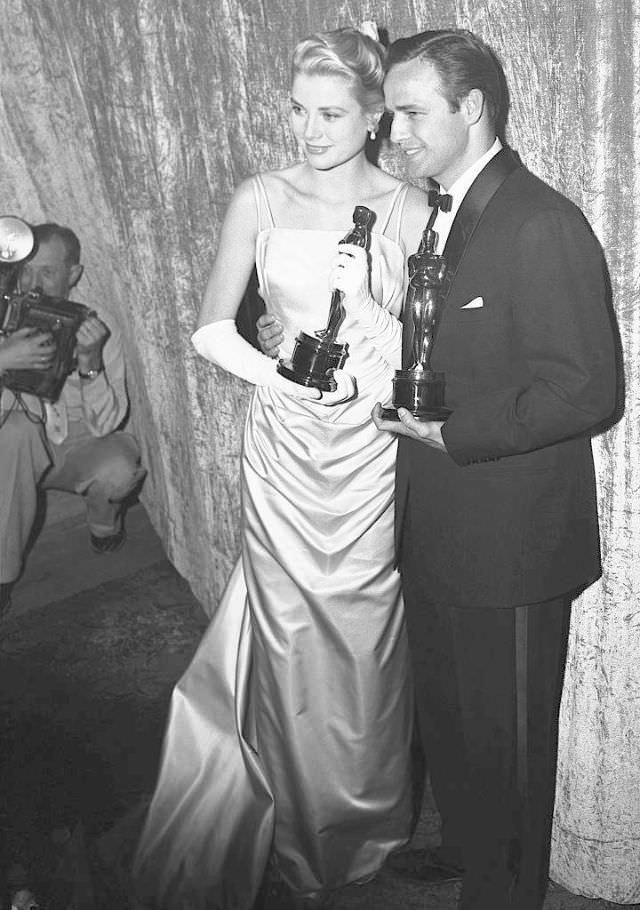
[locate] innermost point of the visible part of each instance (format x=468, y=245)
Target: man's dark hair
x=463, y=62
x=44, y=232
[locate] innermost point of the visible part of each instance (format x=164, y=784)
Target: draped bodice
x=293, y=267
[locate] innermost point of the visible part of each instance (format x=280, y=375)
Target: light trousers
x=104, y=470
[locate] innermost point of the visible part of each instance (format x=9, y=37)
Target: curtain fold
x=133, y=121
x=596, y=839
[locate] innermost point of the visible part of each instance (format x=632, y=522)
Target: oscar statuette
x=419, y=389
x=316, y=356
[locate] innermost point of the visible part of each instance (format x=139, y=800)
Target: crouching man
x=74, y=444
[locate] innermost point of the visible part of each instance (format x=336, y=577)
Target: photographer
x=73, y=444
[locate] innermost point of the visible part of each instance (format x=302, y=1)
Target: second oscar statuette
x=420, y=389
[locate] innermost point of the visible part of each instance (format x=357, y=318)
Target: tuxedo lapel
x=467, y=218
x=480, y=193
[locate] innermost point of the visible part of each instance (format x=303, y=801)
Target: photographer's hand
x=27, y=349
x=90, y=339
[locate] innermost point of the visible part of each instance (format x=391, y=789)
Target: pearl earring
x=372, y=134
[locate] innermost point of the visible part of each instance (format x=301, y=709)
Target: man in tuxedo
x=496, y=505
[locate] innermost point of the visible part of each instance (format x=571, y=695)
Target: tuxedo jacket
x=508, y=516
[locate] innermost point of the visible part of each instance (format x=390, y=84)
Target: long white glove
x=350, y=274
x=220, y=343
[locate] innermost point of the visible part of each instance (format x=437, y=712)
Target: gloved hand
x=351, y=274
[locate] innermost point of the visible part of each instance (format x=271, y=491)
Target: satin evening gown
x=288, y=736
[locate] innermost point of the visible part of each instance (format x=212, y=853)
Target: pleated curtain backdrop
x=133, y=120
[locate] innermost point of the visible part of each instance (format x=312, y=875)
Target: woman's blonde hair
x=344, y=52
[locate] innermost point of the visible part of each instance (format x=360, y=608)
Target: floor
x=63, y=576
x=61, y=563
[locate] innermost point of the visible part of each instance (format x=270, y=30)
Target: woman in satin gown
x=288, y=736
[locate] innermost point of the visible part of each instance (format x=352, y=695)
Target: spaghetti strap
x=265, y=215
x=396, y=204
x=402, y=198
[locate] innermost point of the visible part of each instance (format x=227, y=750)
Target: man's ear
x=75, y=274
x=473, y=105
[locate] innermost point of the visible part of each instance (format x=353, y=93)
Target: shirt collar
x=460, y=187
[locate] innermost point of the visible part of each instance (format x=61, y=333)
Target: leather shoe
x=5, y=597
x=424, y=866
x=108, y=544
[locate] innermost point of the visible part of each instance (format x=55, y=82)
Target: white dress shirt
x=458, y=190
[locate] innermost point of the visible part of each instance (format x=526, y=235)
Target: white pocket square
x=474, y=304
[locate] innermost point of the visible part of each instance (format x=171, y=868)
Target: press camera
x=35, y=310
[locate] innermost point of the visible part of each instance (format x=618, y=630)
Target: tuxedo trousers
x=488, y=688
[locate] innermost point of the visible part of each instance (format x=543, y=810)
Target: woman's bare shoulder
x=286, y=181
x=388, y=183
x=414, y=218
x=417, y=197
x=416, y=208
x=281, y=188
x=244, y=194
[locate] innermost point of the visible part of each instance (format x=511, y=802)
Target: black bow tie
x=441, y=201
